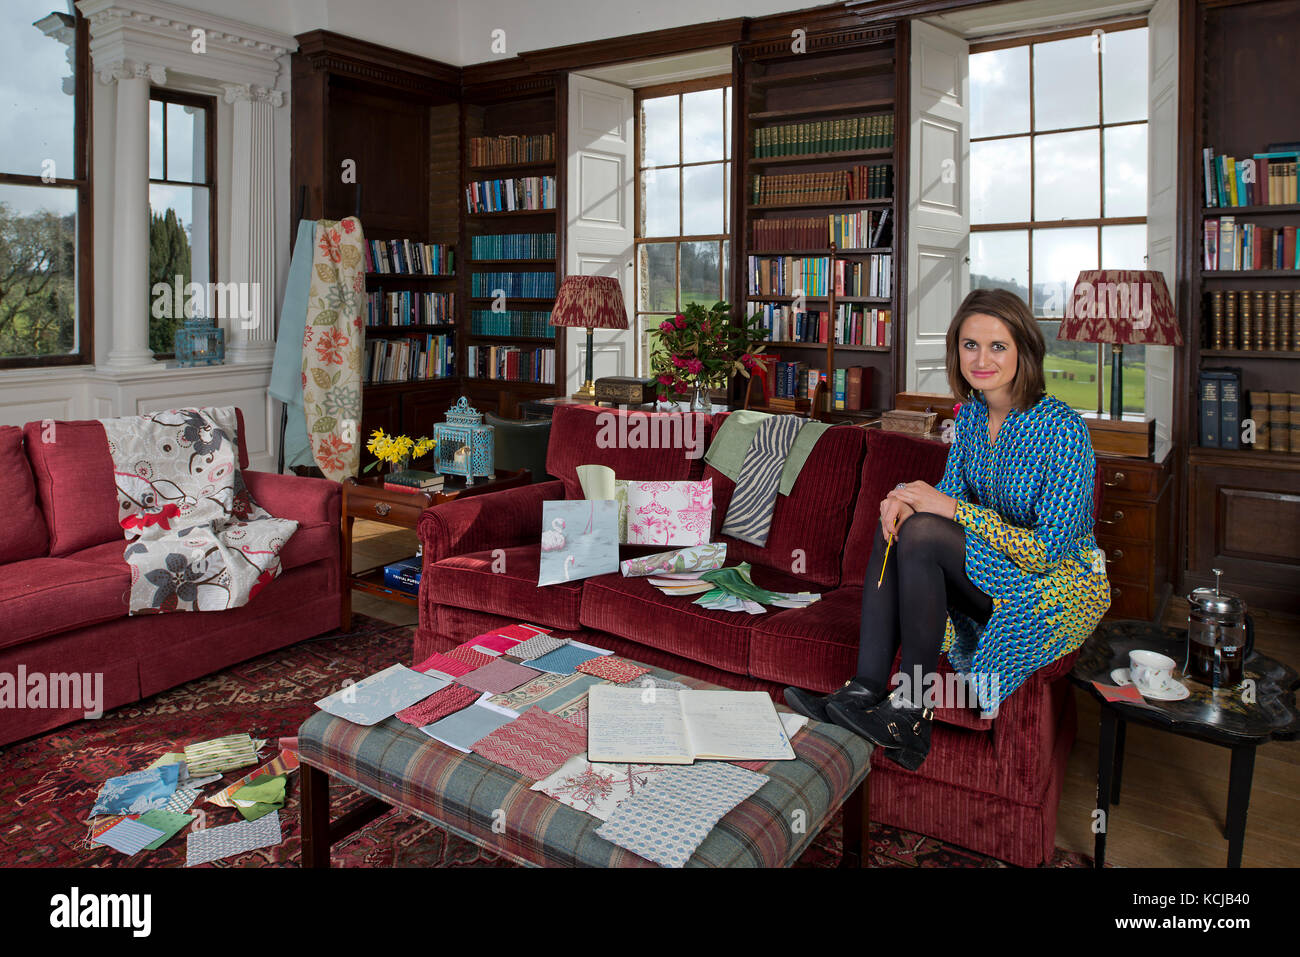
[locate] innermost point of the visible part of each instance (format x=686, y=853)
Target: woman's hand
x=892, y=514
x=925, y=498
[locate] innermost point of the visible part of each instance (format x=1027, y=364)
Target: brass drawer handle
x=1119, y=517
x=383, y=508
x=1118, y=554
x=1119, y=480
x=1116, y=592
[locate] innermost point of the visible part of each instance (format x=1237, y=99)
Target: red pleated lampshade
x=1125, y=306
x=590, y=302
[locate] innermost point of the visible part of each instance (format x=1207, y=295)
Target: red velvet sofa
x=989, y=785
x=64, y=583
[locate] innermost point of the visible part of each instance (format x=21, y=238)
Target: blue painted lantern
x=200, y=342
x=464, y=443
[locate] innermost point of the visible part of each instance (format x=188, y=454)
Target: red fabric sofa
x=989, y=785
x=64, y=583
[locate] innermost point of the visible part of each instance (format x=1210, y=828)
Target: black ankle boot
x=813, y=706
x=904, y=732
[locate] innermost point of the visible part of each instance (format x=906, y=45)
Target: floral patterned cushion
x=669, y=513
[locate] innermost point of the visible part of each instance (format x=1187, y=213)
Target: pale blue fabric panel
x=286, y=370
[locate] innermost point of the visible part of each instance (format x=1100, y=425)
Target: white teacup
x=1151, y=672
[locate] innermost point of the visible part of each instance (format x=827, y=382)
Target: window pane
x=38, y=123
x=702, y=126
x=1133, y=378
x=1124, y=247
x=999, y=92
x=1059, y=256
x=659, y=131
x=38, y=270
x=702, y=206
x=726, y=269
x=727, y=123
x=1124, y=76
x=156, y=140
x=701, y=273
x=1067, y=176
x=1126, y=170
x=999, y=172
x=1070, y=369
x=659, y=202
x=1000, y=261
x=657, y=277
x=178, y=255
x=185, y=146
x=1065, y=84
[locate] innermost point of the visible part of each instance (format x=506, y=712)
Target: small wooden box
x=902, y=420
x=1133, y=436
x=778, y=404
x=625, y=390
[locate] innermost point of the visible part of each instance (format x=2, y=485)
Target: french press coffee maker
x=1220, y=636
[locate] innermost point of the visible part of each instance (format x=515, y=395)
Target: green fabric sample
x=266, y=790
x=727, y=451
x=799, y=452
x=169, y=822
x=737, y=581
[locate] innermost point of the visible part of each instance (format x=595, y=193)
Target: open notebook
x=663, y=726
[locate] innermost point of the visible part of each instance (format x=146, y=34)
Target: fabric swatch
x=381, y=695
x=181, y=801
x=220, y=754
x=534, y=744
x=216, y=843
x=506, y=638
x=465, y=652
x=438, y=705
x=612, y=668
x=597, y=789
x=536, y=647
x=129, y=837
x=282, y=763
x=137, y=792
x=749, y=514
x=669, y=513
x=451, y=667
x=531, y=691
x=577, y=718
x=261, y=797
x=167, y=822
x=562, y=660
x=462, y=729
x=490, y=652
x=498, y=677
x=666, y=821
x=569, y=697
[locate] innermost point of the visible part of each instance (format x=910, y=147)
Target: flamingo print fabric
x=197, y=540
x=579, y=540
x=669, y=513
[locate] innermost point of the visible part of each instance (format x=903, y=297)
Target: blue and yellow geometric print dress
x=1026, y=504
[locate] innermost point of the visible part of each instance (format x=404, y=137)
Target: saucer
x=1121, y=677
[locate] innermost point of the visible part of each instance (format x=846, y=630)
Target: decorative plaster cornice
x=244, y=93
x=163, y=34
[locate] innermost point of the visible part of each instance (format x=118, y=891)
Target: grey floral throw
x=197, y=540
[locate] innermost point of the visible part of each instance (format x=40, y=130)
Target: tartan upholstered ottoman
x=399, y=766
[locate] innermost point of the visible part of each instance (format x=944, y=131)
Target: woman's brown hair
x=1028, y=385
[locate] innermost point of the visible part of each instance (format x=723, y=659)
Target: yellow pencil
x=888, y=544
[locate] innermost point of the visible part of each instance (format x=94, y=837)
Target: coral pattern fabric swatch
x=613, y=668
x=534, y=745
x=597, y=789
x=498, y=677
x=438, y=705
x=466, y=653
x=669, y=513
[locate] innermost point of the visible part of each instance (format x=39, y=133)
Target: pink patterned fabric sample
x=438, y=705
x=503, y=639
x=535, y=744
x=498, y=677
x=578, y=718
x=448, y=666
x=613, y=668
x=669, y=513
x=466, y=653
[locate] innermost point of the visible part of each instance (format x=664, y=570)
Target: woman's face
x=987, y=352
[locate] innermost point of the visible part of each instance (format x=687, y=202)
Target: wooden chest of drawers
x=1133, y=529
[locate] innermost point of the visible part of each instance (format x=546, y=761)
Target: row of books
x=1273, y=424
x=513, y=246
x=788, y=189
x=850, y=325
x=500, y=150
x=407, y=308
x=530, y=285
x=1276, y=416
x=1265, y=179
x=510, y=195
x=1229, y=244
x=817, y=275
x=1253, y=320
x=850, y=387
x=865, y=229
x=511, y=363
x=409, y=358
x=826, y=136
x=410, y=257
x=512, y=322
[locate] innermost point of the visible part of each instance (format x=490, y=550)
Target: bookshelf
x=1242, y=506
x=815, y=126
x=513, y=259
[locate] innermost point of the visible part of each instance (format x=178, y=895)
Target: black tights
x=926, y=576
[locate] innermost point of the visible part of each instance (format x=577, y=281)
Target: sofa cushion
x=664, y=446
x=504, y=581
x=22, y=533
x=892, y=457
x=74, y=479
x=632, y=608
x=809, y=525
x=46, y=596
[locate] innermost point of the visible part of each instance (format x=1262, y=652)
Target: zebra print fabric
x=749, y=516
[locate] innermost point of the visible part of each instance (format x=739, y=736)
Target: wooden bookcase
x=841, y=76
x=1242, y=507
x=521, y=107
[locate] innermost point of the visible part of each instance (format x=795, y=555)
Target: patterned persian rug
x=51, y=781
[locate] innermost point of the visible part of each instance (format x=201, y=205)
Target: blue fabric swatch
x=137, y=792
x=562, y=661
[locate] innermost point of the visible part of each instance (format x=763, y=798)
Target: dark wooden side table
x=367, y=498
x=1219, y=717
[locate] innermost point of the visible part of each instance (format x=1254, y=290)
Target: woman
x=997, y=566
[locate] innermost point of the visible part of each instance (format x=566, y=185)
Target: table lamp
x=589, y=302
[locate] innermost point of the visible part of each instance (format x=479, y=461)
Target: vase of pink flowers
x=701, y=348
